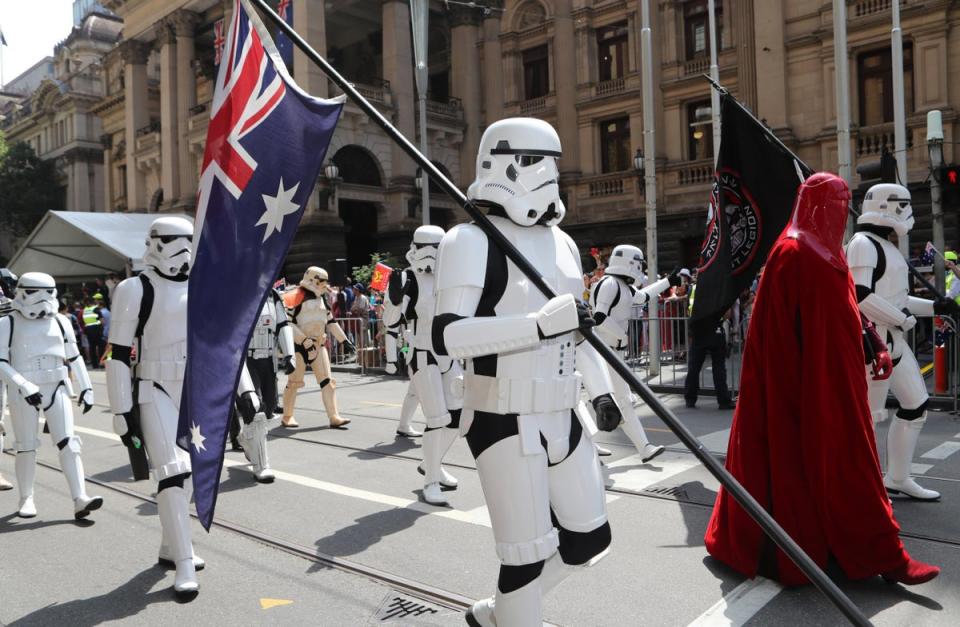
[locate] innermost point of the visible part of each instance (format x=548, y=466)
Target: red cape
x=802, y=441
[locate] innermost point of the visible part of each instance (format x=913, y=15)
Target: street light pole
x=715, y=75
x=935, y=150
x=419, y=15
x=650, y=180
x=899, y=116
x=842, y=95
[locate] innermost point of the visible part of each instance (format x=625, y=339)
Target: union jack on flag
x=927, y=257
x=218, y=41
x=266, y=141
x=284, y=45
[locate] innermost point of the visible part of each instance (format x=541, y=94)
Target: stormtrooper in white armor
x=540, y=474
x=311, y=320
x=612, y=298
x=150, y=312
x=436, y=378
x=8, y=284
x=38, y=353
x=880, y=274
x=395, y=325
x=271, y=333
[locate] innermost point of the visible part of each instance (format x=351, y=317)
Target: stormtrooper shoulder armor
x=125, y=314
x=463, y=257
x=862, y=252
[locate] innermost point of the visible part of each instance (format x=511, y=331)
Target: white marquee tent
x=78, y=245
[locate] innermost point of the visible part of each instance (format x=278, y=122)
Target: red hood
x=820, y=216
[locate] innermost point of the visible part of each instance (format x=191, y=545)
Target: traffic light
x=882, y=171
x=950, y=184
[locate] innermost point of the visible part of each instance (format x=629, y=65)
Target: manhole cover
x=676, y=492
x=397, y=606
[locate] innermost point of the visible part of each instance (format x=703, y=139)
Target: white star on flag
x=196, y=438
x=278, y=207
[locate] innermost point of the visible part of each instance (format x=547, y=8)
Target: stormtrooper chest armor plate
x=266, y=329
x=313, y=317
x=548, y=249
x=892, y=285
x=36, y=345
x=165, y=332
x=621, y=311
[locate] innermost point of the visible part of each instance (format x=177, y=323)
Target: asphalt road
x=341, y=537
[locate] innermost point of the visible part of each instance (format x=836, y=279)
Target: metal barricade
x=367, y=336
x=930, y=332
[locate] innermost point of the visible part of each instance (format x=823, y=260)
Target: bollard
x=940, y=369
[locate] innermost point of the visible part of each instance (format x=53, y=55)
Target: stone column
x=771, y=56
x=169, y=118
x=398, y=69
x=107, y=142
x=184, y=23
x=136, y=115
x=465, y=83
x=309, y=19
x=565, y=84
x=746, y=54
x=493, y=66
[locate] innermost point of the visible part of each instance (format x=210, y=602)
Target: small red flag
x=381, y=276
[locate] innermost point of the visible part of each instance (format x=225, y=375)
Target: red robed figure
x=802, y=441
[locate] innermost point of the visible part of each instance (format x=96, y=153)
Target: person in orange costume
x=802, y=440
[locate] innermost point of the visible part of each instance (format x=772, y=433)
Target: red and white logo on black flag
x=741, y=217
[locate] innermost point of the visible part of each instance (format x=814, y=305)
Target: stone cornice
x=134, y=52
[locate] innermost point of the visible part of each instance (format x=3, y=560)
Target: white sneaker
x=265, y=476
x=4, y=484
x=27, y=508
x=83, y=505
x=650, y=451
x=185, y=583
x=447, y=481
x=409, y=432
x=603, y=451
x=481, y=614
x=910, y=488
x=433, y=495
x=166, y=560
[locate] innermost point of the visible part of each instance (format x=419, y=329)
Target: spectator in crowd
x=113, y=279
x=360, y=309
x=93, y=330
x=707, y=338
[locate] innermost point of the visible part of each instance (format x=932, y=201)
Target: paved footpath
x=341, y=538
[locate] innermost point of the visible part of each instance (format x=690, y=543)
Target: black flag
x=751, y=202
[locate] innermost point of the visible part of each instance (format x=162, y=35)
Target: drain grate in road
x=676, y=492
x=402, y=607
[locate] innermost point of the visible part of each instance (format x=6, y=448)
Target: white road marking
x=477, y=516
x=637, y=476
x=920, y=469
x=740, y=604
x=943, y=451
x=716, y=441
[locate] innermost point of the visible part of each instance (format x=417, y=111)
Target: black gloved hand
x=82, y=401
x=608, y=414
x=946, y=307
x=674, y=277
x=350, y=348
x=584, y=315
x=35, y=399
x=247, y=407
x=287, y=364
x=132, y=438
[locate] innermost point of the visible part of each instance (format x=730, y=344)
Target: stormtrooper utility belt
x=161, y=370
x=500, y=395
x=39, y=370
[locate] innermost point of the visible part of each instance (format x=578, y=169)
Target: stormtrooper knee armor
x=311, y=320
x=540, y=475
x=150, y=312
x=612, y=300
x=880, y=275
x=38, y=353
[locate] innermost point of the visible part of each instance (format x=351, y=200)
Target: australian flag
x=265, y=145
x=284, y=45
x=752, y=199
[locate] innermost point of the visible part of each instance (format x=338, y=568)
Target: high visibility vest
x=693, y=294
x=90, y=317
x=949, y=281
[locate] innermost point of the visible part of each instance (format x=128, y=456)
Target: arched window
x=357, y=166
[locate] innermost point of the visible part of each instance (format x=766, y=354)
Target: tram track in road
x=444, y=598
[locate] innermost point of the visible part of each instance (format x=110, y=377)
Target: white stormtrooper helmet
x=316, y=280
x=888, y=205
x=170, y=246
x=626, y=261
x=36, y=295
x=423, y=249
x=517, y=169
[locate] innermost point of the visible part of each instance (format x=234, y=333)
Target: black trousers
x=94, y=333
x=715, y=346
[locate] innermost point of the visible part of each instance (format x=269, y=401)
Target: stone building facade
x=574, y=63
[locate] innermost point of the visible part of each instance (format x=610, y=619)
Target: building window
x=875, y=76
x=612, y=51
x=615, y=145
x=699, y=131
x=696, y=27
x=536, y=72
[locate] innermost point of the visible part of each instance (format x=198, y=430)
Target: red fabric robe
x=802, y=441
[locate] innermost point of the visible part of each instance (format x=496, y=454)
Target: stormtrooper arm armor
x=248, y=402
x=334, y=328
x=75, y=362
x=7, y=371
x=284, y=330
x=920, y=307
x=604, y=295
x=594, y=370
x=392, y=316
x=651, y=291
x=458, y=331
x=123, y=331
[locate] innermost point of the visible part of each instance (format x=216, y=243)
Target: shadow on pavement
x=12, y=522
x=365, y=532
x=122, y=602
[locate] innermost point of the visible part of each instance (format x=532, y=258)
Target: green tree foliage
x=28, y=188
x=362, y=274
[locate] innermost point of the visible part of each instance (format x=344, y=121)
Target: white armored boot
x=404, y=428
x=901, y=445
x=73, y=471
x=26, y=468
x=4, y=484
x=254, y=439
x=436, y=443
x=172, y=503
x=166, y=552
x=634, y=430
